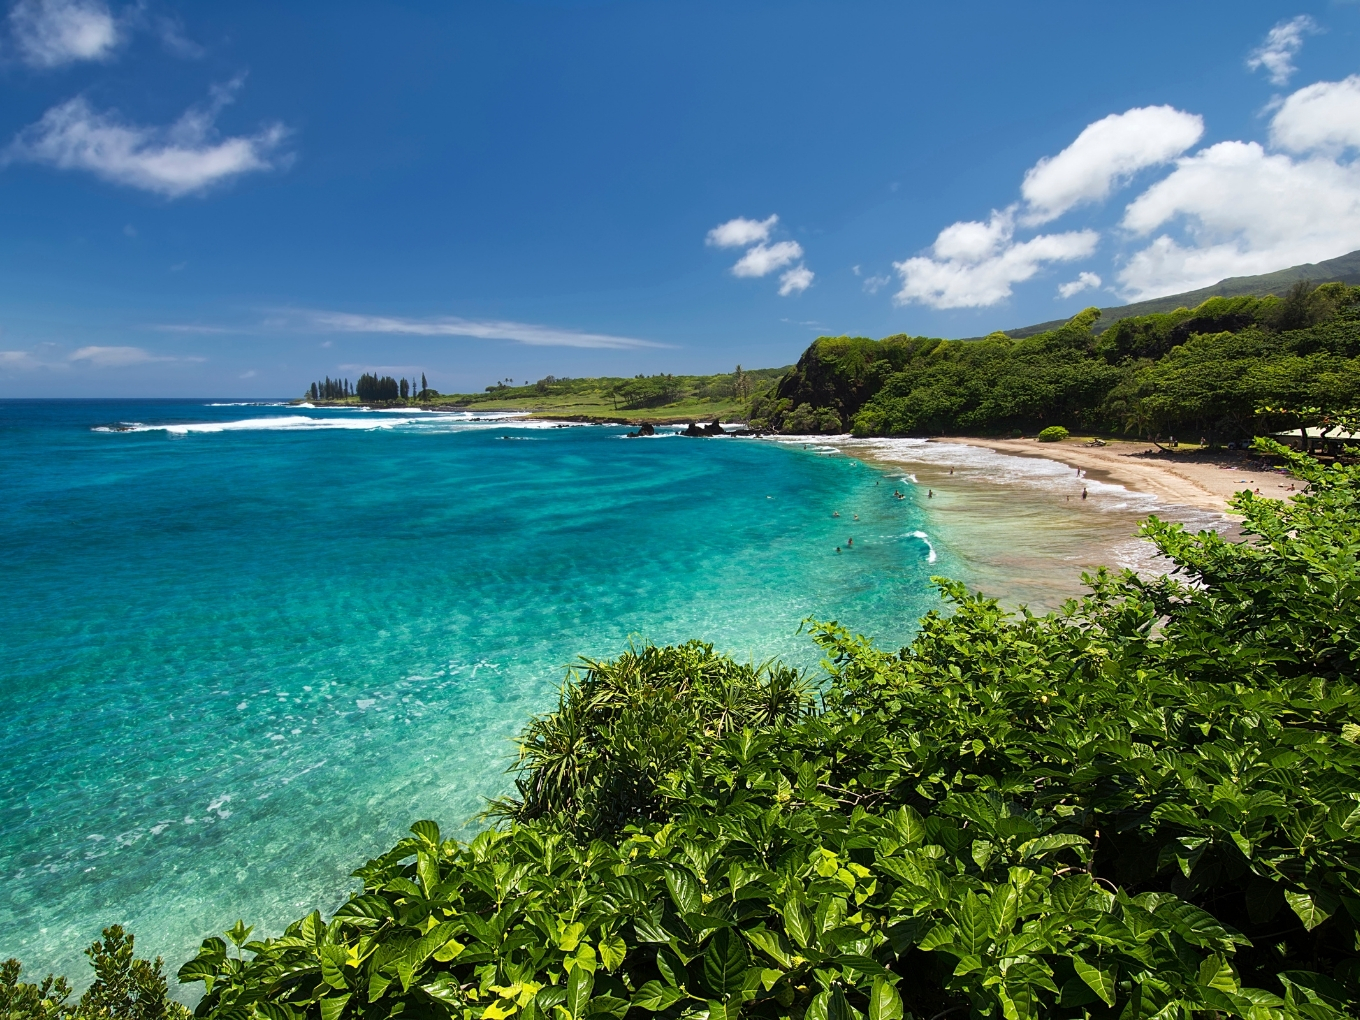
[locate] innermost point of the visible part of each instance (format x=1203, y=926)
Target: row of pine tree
x=370, y=388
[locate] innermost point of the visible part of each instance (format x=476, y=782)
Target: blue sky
x=235, y=199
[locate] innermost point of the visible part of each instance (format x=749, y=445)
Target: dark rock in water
x=715, y=429
x=694, y=430
x=645, y=429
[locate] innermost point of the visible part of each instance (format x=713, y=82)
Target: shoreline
x=1194, y=478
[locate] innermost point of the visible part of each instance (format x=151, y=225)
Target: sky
x=232, y=200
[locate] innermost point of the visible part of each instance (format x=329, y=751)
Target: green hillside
x=1200, y=372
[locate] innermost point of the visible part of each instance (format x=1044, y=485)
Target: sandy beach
x=1187, y=477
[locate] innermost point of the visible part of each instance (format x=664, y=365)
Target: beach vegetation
x=1144, y=805
x=372, y=390
x=1053, y=434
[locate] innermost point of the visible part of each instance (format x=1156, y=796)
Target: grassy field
x=655, y=398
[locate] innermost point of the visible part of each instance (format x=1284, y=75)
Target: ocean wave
x=427, y=421
x=930, y=556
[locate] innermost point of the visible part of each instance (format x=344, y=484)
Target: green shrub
x=1053, y=434
x=124, y=988
x=1142, y=806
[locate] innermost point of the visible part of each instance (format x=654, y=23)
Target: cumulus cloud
x=1084, y=281
x=764, y=259
x=796, y=280
x=1245, y=211
x=184, y=158
x=1106, y=153
x=536, y=336
x=1324, y=116
x=740, y=232
x=974, y=264
x=50, y=33
x=1281, y=46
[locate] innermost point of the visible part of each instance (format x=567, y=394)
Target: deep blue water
x=239, y=658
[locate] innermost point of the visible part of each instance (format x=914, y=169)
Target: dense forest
x=642, y=391
x=1197, y=373
x=1144, y=806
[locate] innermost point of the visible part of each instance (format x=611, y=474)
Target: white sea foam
x=428, y=420
x=930, y=557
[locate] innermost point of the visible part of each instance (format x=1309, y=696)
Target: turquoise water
x=244, y=647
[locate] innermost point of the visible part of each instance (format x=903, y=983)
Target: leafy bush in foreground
x=1053, y=434
x=1144, y=806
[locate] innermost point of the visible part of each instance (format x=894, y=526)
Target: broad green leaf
x=333, y=966
x=718, y=1010
x=829, y=1005
x=1306, y=908
x=684, y=890
x=672, y=970
x=796, y=923
x=974, y=925
x=655, y=997
x=276, y=1011
x=579, y=986
x=613, y=951
x=426, y=830
x=1215, y=972
x=770, y=943
x=725, y=962
x=910, y=826
x=884, y=1002
x=1047, y=844
x=333, y=1006
x=239, y=933
x=1100, y=980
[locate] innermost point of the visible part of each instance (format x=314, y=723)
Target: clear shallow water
x=245, y=646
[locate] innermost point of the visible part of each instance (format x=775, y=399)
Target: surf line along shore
x=1185, y=477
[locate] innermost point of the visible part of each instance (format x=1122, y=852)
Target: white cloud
x=873, y=284
x=740, y=232
x=537, y=336
x=117, y=357
x=50, y=33
x=1324, y=116
x=1107, y=152
x=179, y=160
x=975, y=263
x=1245, y=211
x=1281, y=46
x=764, y=259
x=796, y=280
x=21, y=361
x=1084, y=281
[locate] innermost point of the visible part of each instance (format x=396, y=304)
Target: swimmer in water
x=849, y=542
x=930, y=494
x=838, y=548
x=1083, y=492
x=951, y=471
x=856, y=516
x=836, y=514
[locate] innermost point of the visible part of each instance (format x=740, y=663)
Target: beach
x=1184, y=477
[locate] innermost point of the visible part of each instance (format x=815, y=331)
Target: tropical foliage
x=124, y=987
x=1198, y=372
x=1143, y=806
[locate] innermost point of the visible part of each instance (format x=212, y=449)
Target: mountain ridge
x=1342, y=269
